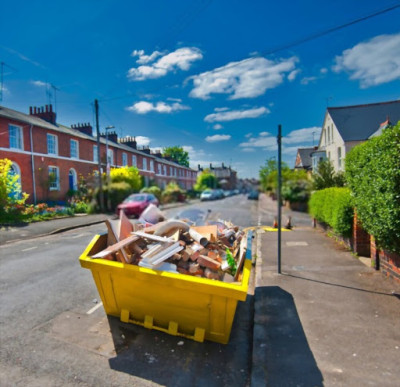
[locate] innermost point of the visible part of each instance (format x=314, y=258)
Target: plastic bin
x=178, y=304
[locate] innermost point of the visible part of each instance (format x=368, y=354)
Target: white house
x=347, y=126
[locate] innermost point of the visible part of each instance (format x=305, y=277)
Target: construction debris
x=215, y=251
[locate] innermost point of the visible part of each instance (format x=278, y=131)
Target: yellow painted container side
x=178, y=304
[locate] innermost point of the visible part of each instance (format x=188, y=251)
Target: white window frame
x=76, y=142
x=124, y=159
x=152, y=165
x=55, y=138
x=144, y=164
x=339, y=154
x=18, y=137
x=95, y=154
x=56, y=186
x=159, y=169
x=134, y=161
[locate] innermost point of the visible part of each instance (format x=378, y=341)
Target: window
x=339, y=155
x=151, y=165
x=15, y=136
x=95, y=153
x=52, y=146
x=134, y=161
x=145, y=165
x=54, y=179
x=74, y=149
x=329, y=135
x=124, y=159
x=159, y=169
x=165, y=170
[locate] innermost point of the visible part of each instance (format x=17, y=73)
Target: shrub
x=173, y=193
x=334, y=207
x=205, y=180
x=129, y=175
x=373, y=174
x=115, y=193
x=12, y=199
x=156, y=191
x=326, y=177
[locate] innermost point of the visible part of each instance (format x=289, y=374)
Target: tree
x=205, y=180
x=129, y=175
x=177, y=154
x=326, y=177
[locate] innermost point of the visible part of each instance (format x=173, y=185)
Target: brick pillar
x=390, y=264
x=361, y=239
x=374, y=254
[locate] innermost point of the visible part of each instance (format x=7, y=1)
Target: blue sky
x=216, y=77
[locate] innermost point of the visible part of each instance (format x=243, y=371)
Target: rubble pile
x=214, y=251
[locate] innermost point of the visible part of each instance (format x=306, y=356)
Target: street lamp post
x=107, y=158
x=108, y=168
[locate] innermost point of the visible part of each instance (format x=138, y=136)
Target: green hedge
x=156, y=191
x=373, y=174
x=334, y=207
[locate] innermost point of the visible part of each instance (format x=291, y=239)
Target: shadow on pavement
x=282, y=356
x=176, y=361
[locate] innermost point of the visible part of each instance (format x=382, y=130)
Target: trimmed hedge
x=156, y=191
x=373, y=174
x=334, y=207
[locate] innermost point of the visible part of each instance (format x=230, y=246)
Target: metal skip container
x=178, y=304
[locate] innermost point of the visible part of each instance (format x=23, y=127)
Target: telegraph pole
x=279, y=138
x=101, y=193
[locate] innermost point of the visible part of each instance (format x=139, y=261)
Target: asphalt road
x=54, y=332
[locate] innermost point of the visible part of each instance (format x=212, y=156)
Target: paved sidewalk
x=326, y=320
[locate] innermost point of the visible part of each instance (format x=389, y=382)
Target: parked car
x=253, y=195
x=135, y=204
x=208, y=194
x=219, y=193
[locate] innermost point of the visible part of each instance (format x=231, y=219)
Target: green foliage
x=373, y=174
x=231, y=261
x=115, y=193
x=296, y=191
x=12, y=200
x=333, y=206
x=177, y=154
x=129, y=175
x=325, y=176
x=173, y=193
x=205, y=180
x=156, y=191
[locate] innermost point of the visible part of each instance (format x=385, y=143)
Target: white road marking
x=30, y=248
x=99, y=305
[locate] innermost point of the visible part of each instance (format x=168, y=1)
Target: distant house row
x=39, y=147
x=344, y=128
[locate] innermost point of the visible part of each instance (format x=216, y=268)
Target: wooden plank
x=125, y=226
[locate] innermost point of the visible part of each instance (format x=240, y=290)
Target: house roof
x=37, y=121
x=359, y=122
x=305, y=156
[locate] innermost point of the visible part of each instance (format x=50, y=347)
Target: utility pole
x=279, y=138
x=101, y=193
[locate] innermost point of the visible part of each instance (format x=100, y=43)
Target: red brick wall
x=390, y=264
x=361, y=239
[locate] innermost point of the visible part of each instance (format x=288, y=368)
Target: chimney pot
x=30, y=110
x=47, y=108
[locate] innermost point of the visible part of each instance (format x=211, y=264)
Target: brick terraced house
x=49, y=157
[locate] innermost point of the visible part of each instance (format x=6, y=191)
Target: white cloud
x=222, y=109
x=324, y=70
x=181, y=59
x=292, y=75
x=218, y=137
x=40, y=83
x=373, y=62
x=217, y=126
x=248, y=78
x=142, y=140
x=266, y=141
x=248, y=135
x=174, y=99
x=290, y=150
x=307, y=80
x=236, y=114
x=144, y=107
x=248, y=150
x=302, y=135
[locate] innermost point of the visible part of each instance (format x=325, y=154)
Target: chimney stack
x=46, y=113
x=85, y=128
x=129, y=141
